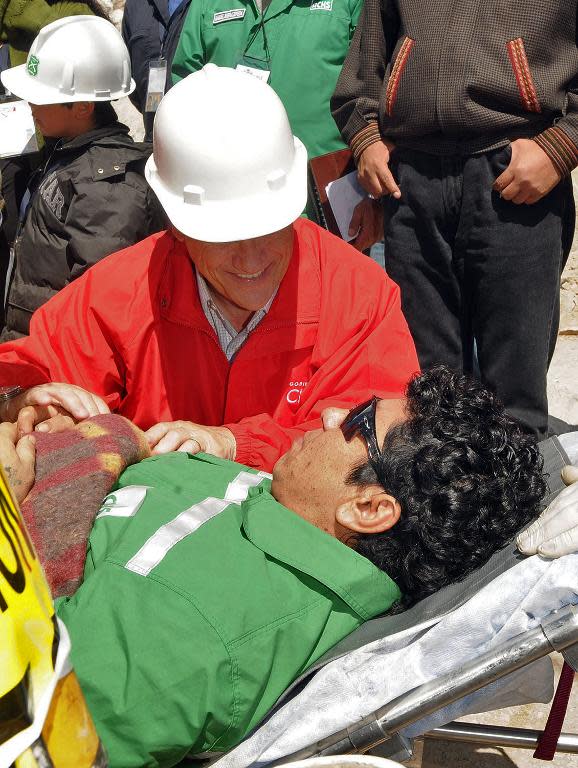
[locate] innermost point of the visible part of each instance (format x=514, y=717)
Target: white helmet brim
x=225, y=221
x=23, y=85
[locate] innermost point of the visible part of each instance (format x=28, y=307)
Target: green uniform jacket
x=22, y=20
x=307, y=42
x=203, y=599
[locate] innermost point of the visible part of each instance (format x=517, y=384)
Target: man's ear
x=82, y=110
x=372, y=511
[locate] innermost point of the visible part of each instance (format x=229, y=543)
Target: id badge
x=156, y=84
x=254, y=67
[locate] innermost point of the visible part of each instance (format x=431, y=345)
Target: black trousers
x=472, y=266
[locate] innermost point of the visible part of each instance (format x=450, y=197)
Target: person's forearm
x=364, y=138
x=560, y=141
x=560, y=146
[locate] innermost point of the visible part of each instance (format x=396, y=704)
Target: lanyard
x=252, y=38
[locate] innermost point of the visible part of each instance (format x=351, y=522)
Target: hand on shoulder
x=51, y=407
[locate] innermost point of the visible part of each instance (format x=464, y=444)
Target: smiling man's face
x=243, y=275
x=311, y=478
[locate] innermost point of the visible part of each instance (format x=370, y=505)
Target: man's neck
x=237, y=316
x=79, y=130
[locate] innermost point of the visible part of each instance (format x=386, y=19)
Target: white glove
x=555, y=532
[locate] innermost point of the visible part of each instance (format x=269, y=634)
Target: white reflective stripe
x=125, y=502
x=164, y=539
x=237, y=489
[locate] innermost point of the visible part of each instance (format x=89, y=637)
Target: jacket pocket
x=526, y=88
x=396, y=72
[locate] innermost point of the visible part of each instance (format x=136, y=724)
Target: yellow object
x=43, y=715
x=26, y=610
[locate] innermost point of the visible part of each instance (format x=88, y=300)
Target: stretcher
x=479, y=645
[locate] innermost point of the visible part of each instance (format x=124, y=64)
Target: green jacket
x=203, y=599
x=307, y=42
x=22, y=20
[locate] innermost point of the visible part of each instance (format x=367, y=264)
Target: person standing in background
x=464, y=117
x=90, y=197
x=20, y=22
x=296, y=47
x=150, y=30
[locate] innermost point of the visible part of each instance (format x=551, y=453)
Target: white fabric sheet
x=349, y=688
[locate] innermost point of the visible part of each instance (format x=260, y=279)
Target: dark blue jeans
x=472, y=266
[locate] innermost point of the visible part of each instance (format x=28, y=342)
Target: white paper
x=343, y=195
x=17, y=131
x=260, y=74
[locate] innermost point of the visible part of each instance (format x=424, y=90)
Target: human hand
x=555, y=532
x=569, y=474
x=45, y=404
x=186, y=436
x=18, y=457
x=373, y=170
x=367, y=222
x=332, y=417
x=529, y=176
x=43, y=418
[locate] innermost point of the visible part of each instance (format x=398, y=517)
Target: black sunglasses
x=361, y=421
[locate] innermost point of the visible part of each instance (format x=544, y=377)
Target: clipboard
x=323, y=170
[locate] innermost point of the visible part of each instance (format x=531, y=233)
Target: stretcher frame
x=381, y=732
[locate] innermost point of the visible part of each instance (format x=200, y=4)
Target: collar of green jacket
x=292, y=540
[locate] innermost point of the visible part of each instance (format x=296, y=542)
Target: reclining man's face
x=311, y=478
x=243, y=274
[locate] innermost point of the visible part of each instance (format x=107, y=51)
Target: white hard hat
x=226, y=165
x=77, y=58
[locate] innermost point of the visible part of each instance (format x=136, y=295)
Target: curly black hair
x=467, y=479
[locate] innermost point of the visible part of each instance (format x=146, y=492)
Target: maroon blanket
x=75, y=470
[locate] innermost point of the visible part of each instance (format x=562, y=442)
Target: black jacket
x=143, y=28
x=90, y=199
x=149, y=33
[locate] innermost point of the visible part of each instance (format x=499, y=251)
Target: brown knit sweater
x=463, y=76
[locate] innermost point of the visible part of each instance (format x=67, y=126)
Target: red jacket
x=133, y=331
